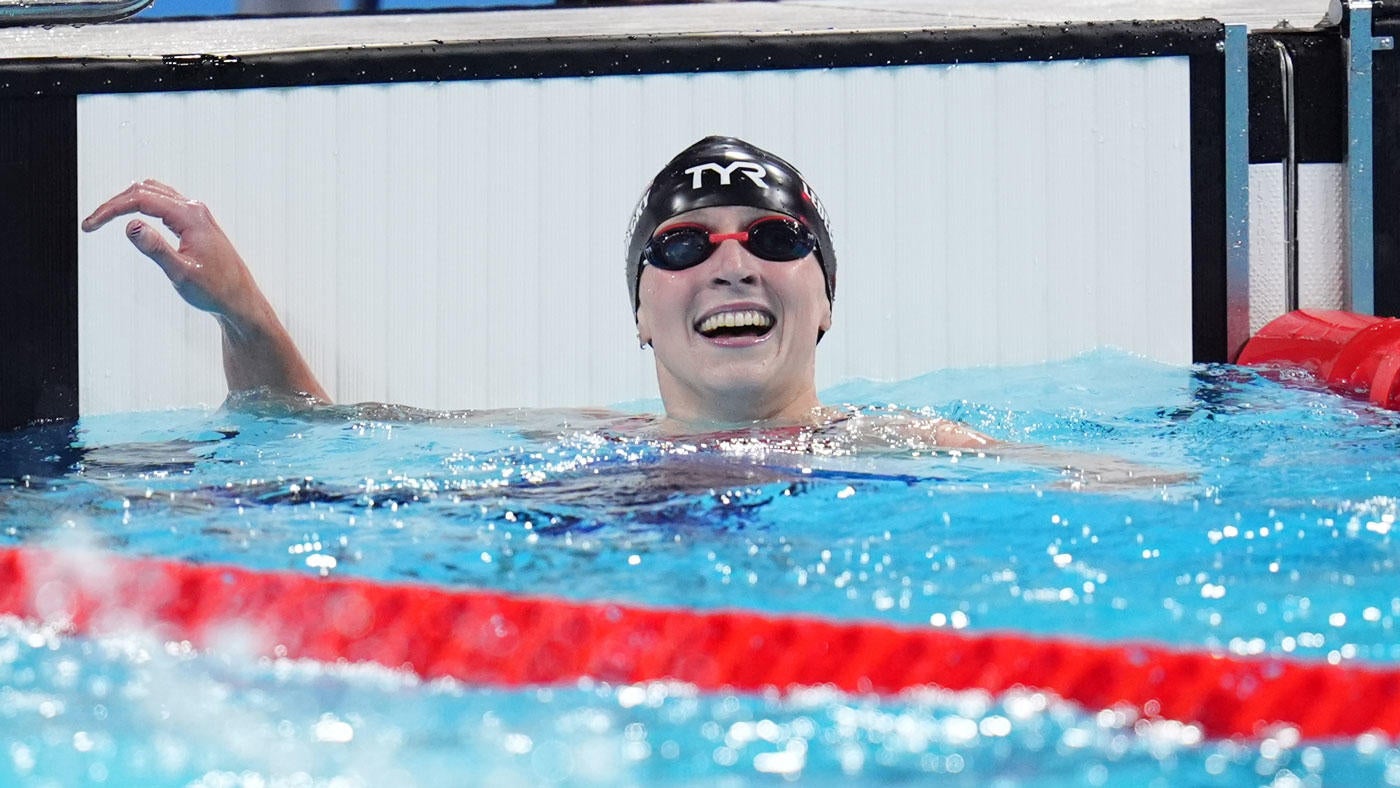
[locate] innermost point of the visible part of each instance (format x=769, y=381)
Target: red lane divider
x=511, y=640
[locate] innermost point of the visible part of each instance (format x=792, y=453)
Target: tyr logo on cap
x=753, y=170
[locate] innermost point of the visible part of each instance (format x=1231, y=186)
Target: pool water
x=1272, y=536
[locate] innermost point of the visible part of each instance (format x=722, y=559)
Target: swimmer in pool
x=732, y=276
x=730, y=269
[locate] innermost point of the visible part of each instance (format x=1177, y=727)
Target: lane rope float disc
x=511, y=640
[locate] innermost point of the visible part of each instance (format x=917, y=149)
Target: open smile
x=736, y=326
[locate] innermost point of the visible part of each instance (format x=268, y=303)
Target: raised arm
x=209, y=274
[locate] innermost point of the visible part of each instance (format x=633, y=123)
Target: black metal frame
x=1385, y=21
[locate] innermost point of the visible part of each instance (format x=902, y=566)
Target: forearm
x=1093, y=469
x=211, y=276
x=259, y=353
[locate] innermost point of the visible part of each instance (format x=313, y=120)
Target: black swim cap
x=726, y=171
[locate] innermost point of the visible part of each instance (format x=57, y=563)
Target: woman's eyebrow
x=749, y=216
x=665, y=227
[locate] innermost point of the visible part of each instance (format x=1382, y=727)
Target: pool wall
x=440, y=224
x=998, y=197
x=459, y=244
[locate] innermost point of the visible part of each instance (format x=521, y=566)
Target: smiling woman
x=730, y=265
x=735, y=335
x=732, y=274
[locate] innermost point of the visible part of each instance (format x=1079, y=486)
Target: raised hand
x=209, y=274
x=206, y=270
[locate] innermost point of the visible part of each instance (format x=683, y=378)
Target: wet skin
x=210, y=275
x=764, y=375
x=759, y=377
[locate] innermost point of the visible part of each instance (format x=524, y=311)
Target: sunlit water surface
x=1275, y=538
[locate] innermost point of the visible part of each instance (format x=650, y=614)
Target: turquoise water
x=1274, y=537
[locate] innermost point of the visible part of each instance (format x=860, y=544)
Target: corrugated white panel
x=1025, y=212
x=1322, y=266
x=459, y=244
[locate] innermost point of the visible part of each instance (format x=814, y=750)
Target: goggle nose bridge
x=718, y=238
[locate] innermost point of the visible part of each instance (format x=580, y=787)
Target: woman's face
x=735, y=336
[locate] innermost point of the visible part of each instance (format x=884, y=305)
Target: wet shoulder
x=829, y=431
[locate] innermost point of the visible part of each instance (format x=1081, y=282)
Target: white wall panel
x=459, y=244
x=1322, y=268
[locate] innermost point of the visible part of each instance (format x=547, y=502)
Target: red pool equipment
x=501, y=639
x=1355, y=355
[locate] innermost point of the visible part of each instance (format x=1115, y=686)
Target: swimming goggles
x=775, y=238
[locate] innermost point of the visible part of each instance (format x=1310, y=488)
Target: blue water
x=1272, y=536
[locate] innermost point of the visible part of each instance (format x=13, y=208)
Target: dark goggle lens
x=777, y=240
x=780, y=240
x=678, y=249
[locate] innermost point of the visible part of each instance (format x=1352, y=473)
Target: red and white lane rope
x=512, y=640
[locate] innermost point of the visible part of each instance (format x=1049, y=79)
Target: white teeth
x=743, y=319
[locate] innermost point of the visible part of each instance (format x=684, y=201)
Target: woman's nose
x=731, y=263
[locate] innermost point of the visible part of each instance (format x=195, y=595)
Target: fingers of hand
x=183, y=218
x=153, y=245
x=157, y=186
x=151, y=198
